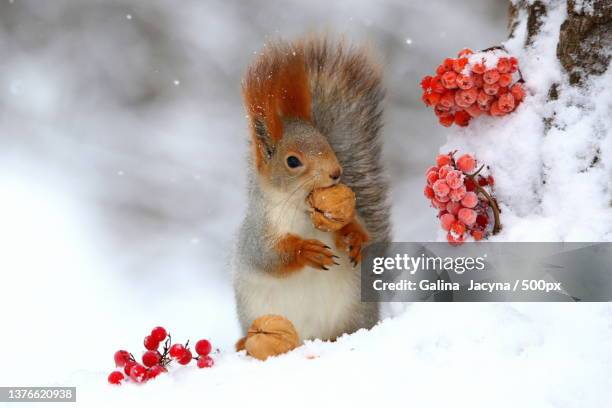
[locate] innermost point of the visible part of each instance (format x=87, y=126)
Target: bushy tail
x=346, y=95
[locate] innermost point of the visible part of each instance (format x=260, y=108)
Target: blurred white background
x=123, y=144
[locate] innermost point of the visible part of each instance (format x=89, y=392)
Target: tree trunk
x=584, y=37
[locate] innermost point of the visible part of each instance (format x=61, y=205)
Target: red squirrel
x=315, y=115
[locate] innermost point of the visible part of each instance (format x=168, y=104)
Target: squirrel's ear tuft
x=276, y=86
x=263, y=140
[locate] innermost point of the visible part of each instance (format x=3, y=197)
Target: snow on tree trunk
x=552, y=157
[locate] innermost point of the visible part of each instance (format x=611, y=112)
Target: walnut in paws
x=331, y=208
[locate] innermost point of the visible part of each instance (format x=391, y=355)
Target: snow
x=120, y=192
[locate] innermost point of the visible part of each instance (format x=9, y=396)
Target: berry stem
x=497, y=226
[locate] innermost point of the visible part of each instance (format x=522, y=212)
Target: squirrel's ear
x=263, y=139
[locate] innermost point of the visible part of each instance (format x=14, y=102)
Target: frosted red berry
x=151, y=343
x=177, y=351
x=122, y=357
x=138, y=373
x=203, y=347
x=470, y=200
x=446, y=221
x=186, y=358
x=151, y=358
x=116, y=377
x=441, y=188
x=466, y=163
x=205, y=362
x=454, y=179
x=155, y=371
x=159, y=334
x=128, y=366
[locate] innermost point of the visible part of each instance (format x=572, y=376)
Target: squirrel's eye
x=293, y=162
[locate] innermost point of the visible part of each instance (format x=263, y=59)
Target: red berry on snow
x=482, y=181
x=448, y=64
x=453, y=207
x=438, y=204
x=429, y=193
x=503, y=65
x=177, y=351
x=448, y=99
x=457, y=194
x=477, y=79
x=449, y=80
x=431, y=168
x=474, y=110
x=203, y=347
x=205, y=362
x=151, y=343
x=477, y=235
x=505, y=79
x=436, y=85
x=490, y=76
x=517, y=91
x=459, y=64
x=467, y=216
x=116, y=377
x=151, y=358
x=444, y=170
x=432, y=177
x=482, y=220
x=470, y=200
x=464, y=81
x=454, y=240
x=490, y=180
x=506, y=103
x=483, y=98
x=446, y=221
x=495, y=110
x=159, y=333
x=466, y=163
x=128, y=367
x=446, y=120
x=431, y=98
x=121, y=358
x=491, y=89
x=155, y=371
x=443, y=199
x=462, y=118
x=458, y=228
x=441, y=188
x=138, y=373
x=465, y=52
x=454, y=179
x=479, y=68
x=469, y=184
x=443, y=160
x=426, y=82
x=187, y=356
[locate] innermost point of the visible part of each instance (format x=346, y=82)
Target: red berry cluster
x=155, y=362
x=472, y=85
x=463, y=197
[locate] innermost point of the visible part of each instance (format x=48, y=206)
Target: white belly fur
x=321, y=304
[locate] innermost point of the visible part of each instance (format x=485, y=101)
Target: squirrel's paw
x=351, y=239
x=316, y=254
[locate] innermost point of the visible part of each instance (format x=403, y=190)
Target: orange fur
x=276, y=86
x=296, y=253
x=351, y=238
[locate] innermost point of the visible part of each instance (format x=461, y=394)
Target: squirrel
x=315, y=116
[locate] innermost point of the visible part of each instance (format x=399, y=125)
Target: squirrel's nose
x=335, y=175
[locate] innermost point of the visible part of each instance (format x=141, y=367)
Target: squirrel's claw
x=317, y=255
x=351, y=239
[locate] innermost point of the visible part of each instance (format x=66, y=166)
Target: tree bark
x=584, y=39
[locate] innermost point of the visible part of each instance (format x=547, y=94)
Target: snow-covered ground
x=122, y=181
